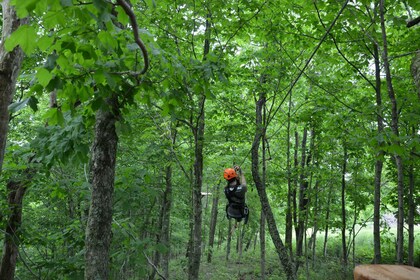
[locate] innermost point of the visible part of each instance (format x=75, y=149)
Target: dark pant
x=237, y=212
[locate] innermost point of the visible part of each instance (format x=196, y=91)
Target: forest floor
x=248, y=265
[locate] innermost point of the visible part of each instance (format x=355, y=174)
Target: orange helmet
x=229, y=173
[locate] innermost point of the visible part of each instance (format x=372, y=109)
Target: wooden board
x=386, y=272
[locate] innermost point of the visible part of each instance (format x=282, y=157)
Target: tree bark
x=415, y=71
x=327, y=220
x=343, y=208
x=229, y=239
x=198, y=132
x=378, y=165
x=16, y=191
x=395, y=130
x=262, y=245
x=289, y=221
x=165, y=223
x=411, y=212
x=10, y=64
x=98, y=229
x=213, y=222
x=282, y=252
x=303, y=186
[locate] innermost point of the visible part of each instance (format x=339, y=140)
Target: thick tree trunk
x=282, y=252
x=378, y=165
x=10, y=63
x=395, y=130
x=98, y=229
x=213, y=222
x=11, y=241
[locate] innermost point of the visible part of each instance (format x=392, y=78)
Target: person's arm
x=241, y=176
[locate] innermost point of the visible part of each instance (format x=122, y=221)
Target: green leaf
x=45, y=42
x=14, y=107
x=54, y=116
x=24, y=36
x=44, y=76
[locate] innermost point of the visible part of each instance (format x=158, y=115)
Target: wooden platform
x=386, y=272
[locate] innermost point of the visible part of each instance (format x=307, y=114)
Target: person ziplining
x=235, y=193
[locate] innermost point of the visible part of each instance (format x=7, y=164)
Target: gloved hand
x=238, y=169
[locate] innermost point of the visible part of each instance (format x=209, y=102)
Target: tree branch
x=413, y=22
x=127, y=9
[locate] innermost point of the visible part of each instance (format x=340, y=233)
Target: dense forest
x=118, y=118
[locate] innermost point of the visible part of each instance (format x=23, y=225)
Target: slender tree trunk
x=395, y=130
x=198, y=132
x=316, y=216
x=411, y=214
x=415, y=70
x=343, y=209
x=262, y=245
x=10, y=64
x=240, y=240
x=302, y=197
x=213, y=222
x=295, y=184
x=327, y=221
x=165, y=225
x=289, y=221
x=229, y=239
x=195, y=255
x=378, y=165
x=16, y=192
x=282, y=252
x=98, y=229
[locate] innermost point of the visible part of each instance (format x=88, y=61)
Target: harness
x=236, y=207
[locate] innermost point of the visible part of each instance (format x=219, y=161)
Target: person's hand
x=237, y=169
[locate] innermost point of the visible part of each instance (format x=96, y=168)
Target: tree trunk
x=282, y=252
x=229, y=239
x=415, y=70
x=343, y=209
x=195, y=255
x=289, y=221
x=411, y=213
x=98, y=229
x=295, y=184
x=10, y=63
x=262, y=245
x=11, y=241
x=395, y=130
x=165, y=225
x=303, y=185
x=378, y=165
x=316, y=213
x=327, y=220
x=213, y=222
x=198, y=132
